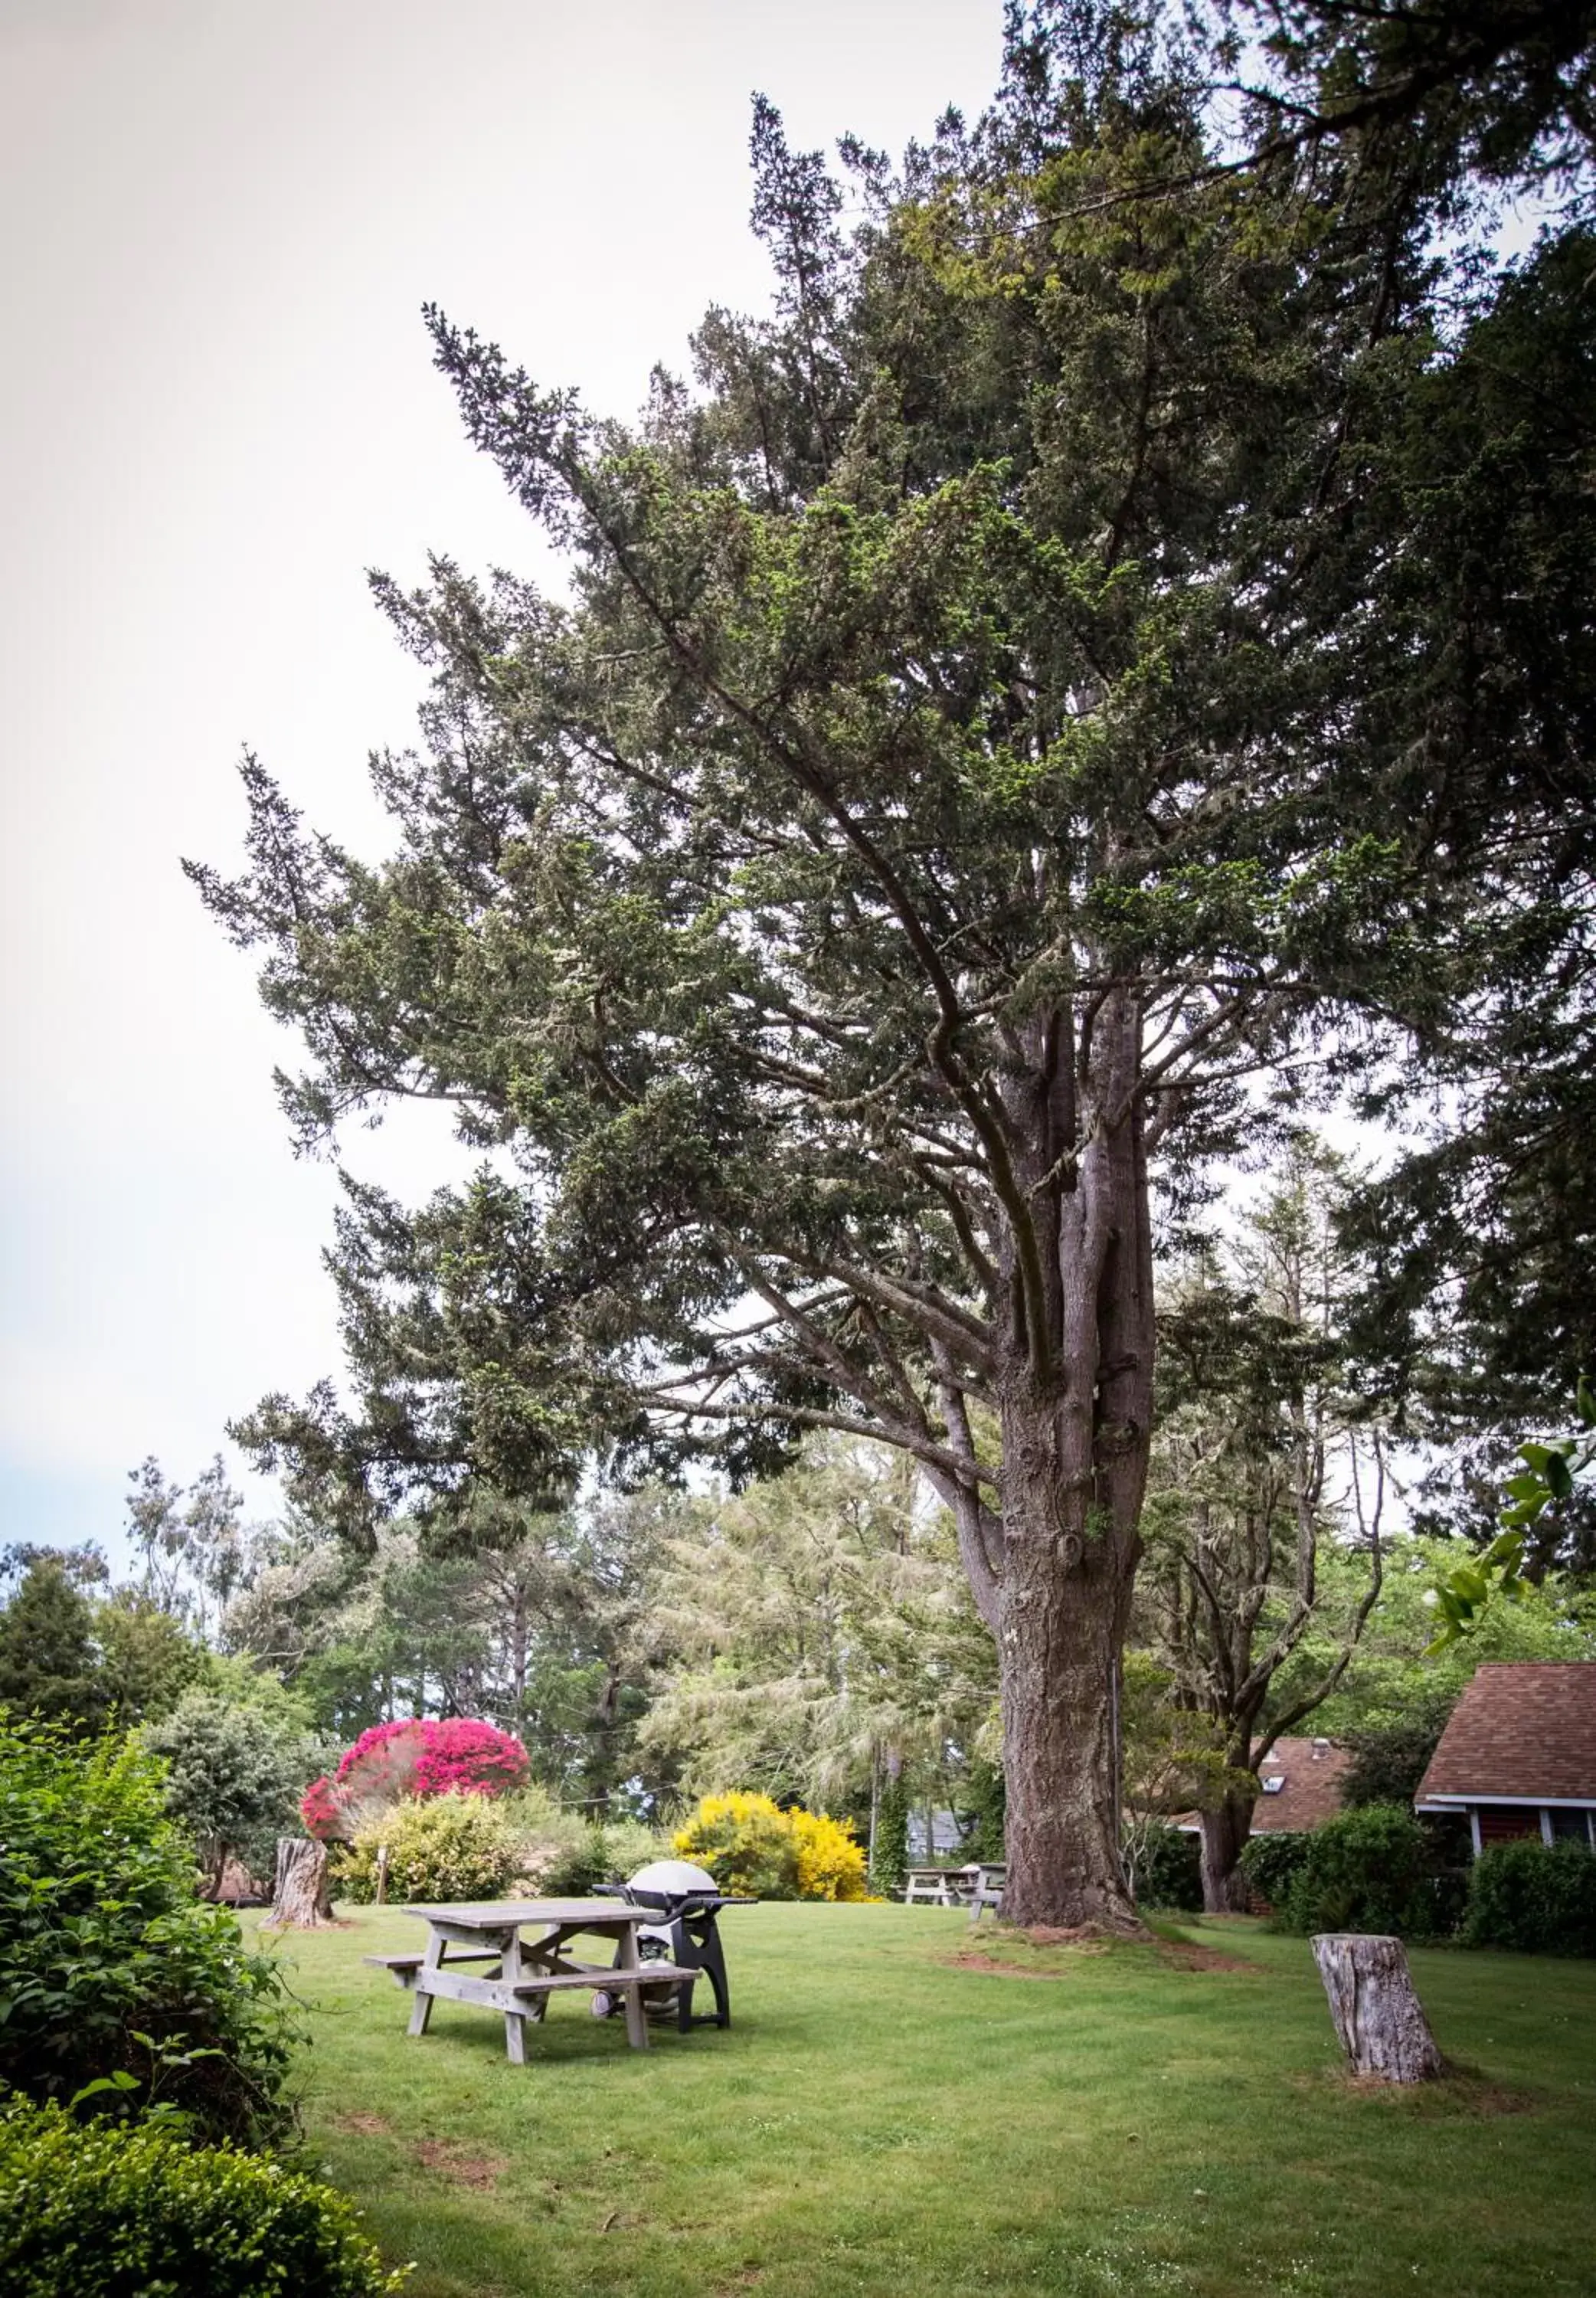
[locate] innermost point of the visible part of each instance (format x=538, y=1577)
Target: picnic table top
x=966, y=1867
x=505, y=1915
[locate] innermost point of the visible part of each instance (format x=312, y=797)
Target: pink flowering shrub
x=319, y=1808
x=418, y=1758
x=469, y=1758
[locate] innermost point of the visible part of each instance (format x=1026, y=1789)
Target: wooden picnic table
x=525, y=1971
x=976, y=1885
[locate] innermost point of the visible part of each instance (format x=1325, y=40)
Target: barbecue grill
x=687, y=1900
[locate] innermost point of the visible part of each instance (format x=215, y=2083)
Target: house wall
x=1506, y=1823
x=1512, y=1823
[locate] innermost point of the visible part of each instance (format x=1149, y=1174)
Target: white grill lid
x=678, y=1876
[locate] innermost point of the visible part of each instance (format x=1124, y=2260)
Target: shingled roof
x=1522, y=1729
x=1310, y=1772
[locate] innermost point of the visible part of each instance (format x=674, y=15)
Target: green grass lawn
x=879, y=2119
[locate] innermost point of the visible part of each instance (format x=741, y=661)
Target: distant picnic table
x=976, y=1885
x=525, y=1970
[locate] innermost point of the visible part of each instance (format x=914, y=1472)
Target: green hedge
x=1169, y=1870
x=119, y=1987
x=1536, y=1897
x=127, y=2210
x=1370, y=1870
x=1270, y=1861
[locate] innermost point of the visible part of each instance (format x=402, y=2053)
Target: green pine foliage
x=119, y=1988
x=112, y=2211
x=49, y=1666
x=1115, y=639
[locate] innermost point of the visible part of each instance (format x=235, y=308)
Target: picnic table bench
x=525, y=1971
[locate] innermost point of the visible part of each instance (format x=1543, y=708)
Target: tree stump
x=300, y=1897
x=1378, y=2014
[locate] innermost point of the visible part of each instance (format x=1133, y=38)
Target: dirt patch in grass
x=1187, y=1954
x=1044, y=1952
x=1458, y=2091
x=454, y=2163
x=364, y=2126
x=990, y=1965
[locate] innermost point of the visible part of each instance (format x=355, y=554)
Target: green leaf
x=121, y=2080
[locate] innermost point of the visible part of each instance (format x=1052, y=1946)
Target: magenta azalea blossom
x=421, y=1757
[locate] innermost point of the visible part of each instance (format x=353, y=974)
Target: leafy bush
x=546, y=1835
x=113, y=2209
x=120, y=1988
x=232, y=1775
x=453, y=1847
x=748, y=1843
x=393, y=1763
x=1169, y=1868
x=1536, y=1897
x=831, y=1863
x=1270, y=1861
x=1370, y=1870
x=599, y=1854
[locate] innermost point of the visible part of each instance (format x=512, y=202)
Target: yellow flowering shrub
x=831, y=1863
x=748, y=1843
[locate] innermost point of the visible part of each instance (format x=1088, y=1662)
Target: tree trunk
x=1225, y=1833
x=1378, y=2014
x=1076, y=1424
x=1064, y=1600
x=300, y=1898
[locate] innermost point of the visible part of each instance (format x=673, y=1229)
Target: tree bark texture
x=300, y=1899
x=1377, y=2013
x=1224, y=1834
x=1075, y=1412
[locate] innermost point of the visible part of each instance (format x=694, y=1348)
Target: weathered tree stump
x=1378, y=2014
x=300, y=1897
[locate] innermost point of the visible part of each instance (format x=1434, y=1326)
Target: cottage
x=1519, y=1756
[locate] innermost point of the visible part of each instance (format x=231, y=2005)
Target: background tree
x=1262, y=1462
x=525, y=1617
x=969, y=756
x=49, y=1666
x=197, y=1552
x=147, y=1659
x=233, y=1779
x=814, y=1638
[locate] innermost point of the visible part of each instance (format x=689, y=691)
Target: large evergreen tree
x=967, y=763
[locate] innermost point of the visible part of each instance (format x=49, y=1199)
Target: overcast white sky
x=217, y=408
